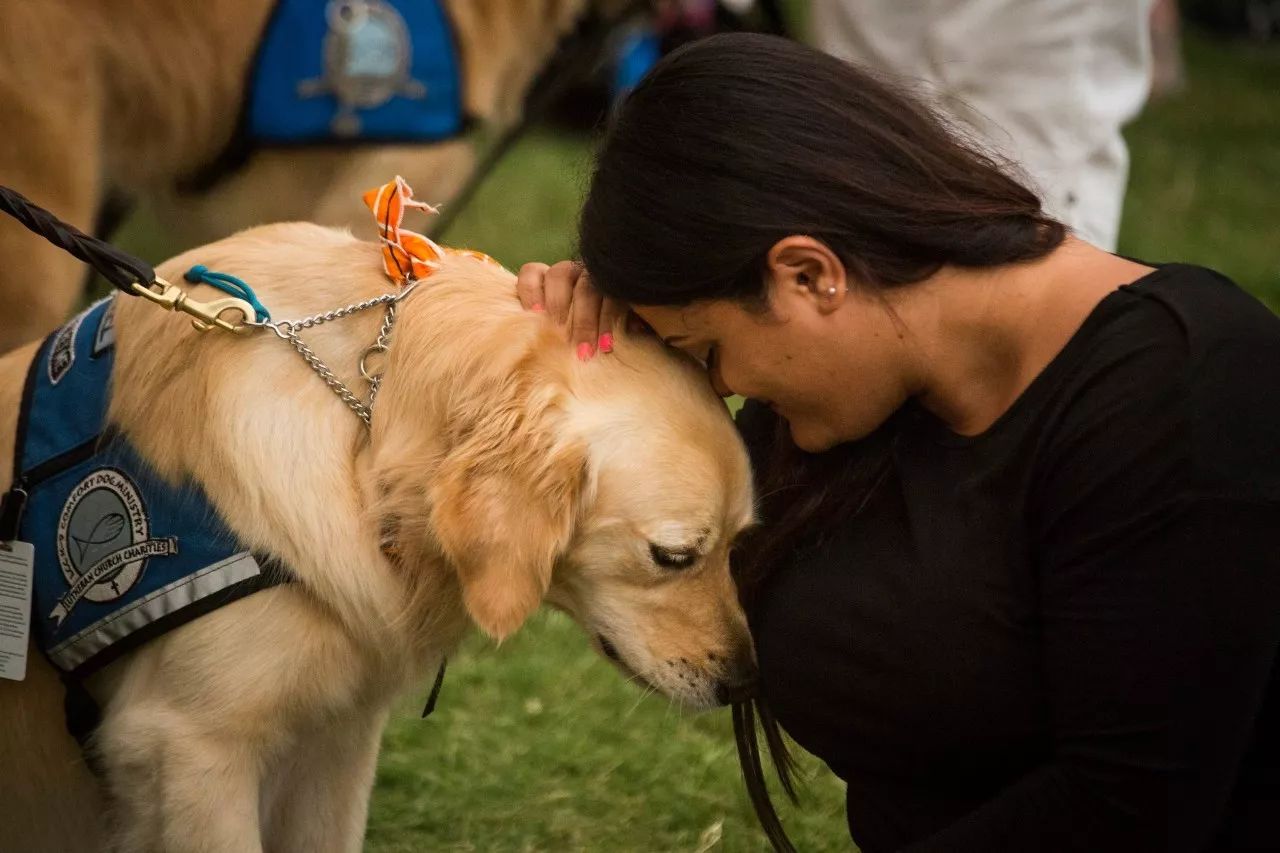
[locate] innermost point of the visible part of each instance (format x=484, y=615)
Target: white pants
x=1045, y=83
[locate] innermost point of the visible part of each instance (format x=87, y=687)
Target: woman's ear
x=803, y=268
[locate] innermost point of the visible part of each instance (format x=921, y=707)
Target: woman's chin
x=811, y=438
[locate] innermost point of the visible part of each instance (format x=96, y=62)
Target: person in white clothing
x=1047, y=84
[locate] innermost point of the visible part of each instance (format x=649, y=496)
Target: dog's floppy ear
x=504, y=502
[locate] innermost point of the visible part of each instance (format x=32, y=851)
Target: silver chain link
x=288, y=330
x=380, y=347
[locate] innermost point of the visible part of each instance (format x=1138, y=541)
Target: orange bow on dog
x=407, y=255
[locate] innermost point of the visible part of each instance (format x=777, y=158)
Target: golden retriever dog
x=498, y=472
x=132, y=96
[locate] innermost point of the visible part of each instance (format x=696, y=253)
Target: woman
x=1018, y=581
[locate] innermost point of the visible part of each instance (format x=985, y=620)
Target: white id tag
x=17, y=571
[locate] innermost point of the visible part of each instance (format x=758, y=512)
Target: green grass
x=1205, y=169
x=539, y=745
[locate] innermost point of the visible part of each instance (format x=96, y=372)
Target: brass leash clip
x=205, y=315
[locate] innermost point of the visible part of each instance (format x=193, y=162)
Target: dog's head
x=612, y=489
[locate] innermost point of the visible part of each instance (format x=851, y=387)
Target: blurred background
x=538, y=745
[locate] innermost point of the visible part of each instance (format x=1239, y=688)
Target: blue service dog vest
x=120, y=555
x=378, y=70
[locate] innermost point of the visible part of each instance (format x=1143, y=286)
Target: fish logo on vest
x=367, y=60
x=103, y=543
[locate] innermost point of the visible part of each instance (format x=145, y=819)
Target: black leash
x=132, y=275
x=116, y=266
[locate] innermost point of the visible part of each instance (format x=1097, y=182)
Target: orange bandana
x=407, y=255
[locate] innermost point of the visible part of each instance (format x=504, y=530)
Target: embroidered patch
x=367, y=60
x=106, y=336
x=102, y=540
x=62, y=354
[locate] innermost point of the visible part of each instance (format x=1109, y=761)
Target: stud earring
x=831, y=291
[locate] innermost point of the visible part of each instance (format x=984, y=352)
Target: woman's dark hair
x=731, y=144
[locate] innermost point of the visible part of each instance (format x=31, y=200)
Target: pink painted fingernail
x=585, y=351
x=606, y=342
x=539, y=307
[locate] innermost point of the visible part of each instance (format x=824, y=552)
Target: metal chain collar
x=288, y=330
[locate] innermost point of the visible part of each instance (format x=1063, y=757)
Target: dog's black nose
x=728, y=692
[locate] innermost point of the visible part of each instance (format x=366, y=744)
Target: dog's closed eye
x=673, y=558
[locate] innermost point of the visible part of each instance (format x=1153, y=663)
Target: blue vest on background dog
x=384, y=70
x=120, y=555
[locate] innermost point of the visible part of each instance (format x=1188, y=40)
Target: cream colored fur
x=499, y=472
x=135, y=94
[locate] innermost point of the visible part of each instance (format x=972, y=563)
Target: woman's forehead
x=698, y=319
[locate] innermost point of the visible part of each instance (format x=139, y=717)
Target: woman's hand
x=565, y=293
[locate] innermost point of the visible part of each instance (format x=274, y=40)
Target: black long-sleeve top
x=1061, y=635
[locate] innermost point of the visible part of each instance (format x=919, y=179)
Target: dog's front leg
x=318, y=800
x=179, y=791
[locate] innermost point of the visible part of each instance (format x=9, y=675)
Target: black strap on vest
x=81, y=714
x=14, y=503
